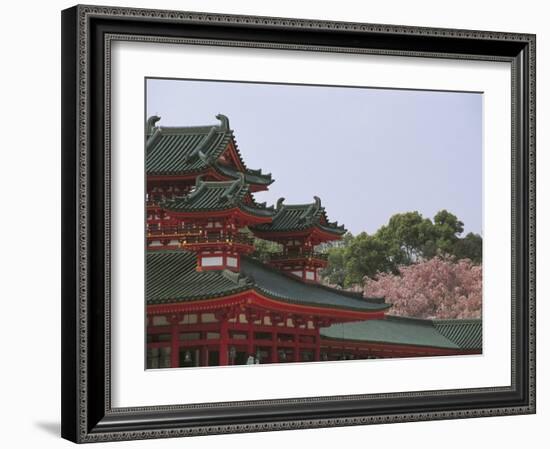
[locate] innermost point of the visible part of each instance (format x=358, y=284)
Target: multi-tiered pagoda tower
x=210, y=303
x=299, y=229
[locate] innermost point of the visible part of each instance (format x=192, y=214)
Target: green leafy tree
x=447, y=224
x=335, y=272
x=469, y=247
x=366, y=255
x=406, y=236
x=447, y=228
x=264, y=248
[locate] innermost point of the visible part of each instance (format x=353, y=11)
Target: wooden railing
x=297, y=255
x=188, y=235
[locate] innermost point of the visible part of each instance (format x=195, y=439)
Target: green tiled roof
x=181, y=150
x=250, y=176
x=216, y=196
x=467, y=334
x=410, y=331
x=172, y=277
x=299, y=217
x=277, y=285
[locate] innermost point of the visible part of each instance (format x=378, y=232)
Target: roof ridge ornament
x=151, y=124
x=279, y=204
x=311, y=210
x=235, y=277
x=224, y=125
x=198, y=151
x=317, y=202
x=199, y=186
x=234, y=187
x=152, y=139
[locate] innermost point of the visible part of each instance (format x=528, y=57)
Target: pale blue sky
x=367, y=153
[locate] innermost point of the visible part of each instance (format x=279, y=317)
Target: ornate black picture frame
x=87, y=34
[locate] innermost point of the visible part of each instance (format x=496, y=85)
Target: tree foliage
x=366, y=255
x=435, y=288
x=470, y=247
x=262, y=248
x=407, y=238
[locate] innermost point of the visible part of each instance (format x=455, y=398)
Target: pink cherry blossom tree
x=435, y=288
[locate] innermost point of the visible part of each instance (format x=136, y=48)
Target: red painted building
x=209, y=302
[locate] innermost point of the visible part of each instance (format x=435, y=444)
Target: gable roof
x=217, y=196
x=410, y=331
x=193, y=149
x=172, y=277
x=277, y=285
x=466, y=333
x=297, y=217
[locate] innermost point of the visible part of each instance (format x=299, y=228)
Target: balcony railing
x=198, y=239
x=160, y=227
x=188, y=237
x=293, y=256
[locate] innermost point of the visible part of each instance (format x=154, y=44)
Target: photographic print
x=316, y=200
x=306, y=223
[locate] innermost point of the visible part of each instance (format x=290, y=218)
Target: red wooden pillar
x=250, y=335
x=224, y=337
x=204, y=356
x=203, y=353
x=296, y=343
x=274, y=349
x=317, y=355
x=174, y=341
